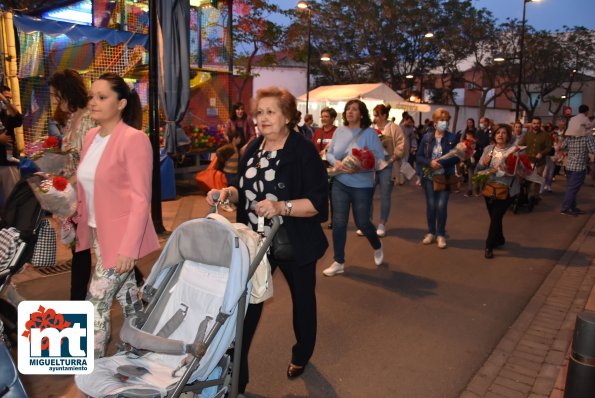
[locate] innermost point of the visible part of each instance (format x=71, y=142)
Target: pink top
x=122, y=197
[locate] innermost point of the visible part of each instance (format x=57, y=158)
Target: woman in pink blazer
x=114, y=194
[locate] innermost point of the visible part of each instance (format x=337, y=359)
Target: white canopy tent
x=371, y=94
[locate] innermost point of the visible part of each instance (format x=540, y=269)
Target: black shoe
x=576, y=210
x=568, y=213
x=489, y=253
x=294, y=371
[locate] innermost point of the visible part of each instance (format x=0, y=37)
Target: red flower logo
x=43, y=319
x=60, y=183
x=51, y=142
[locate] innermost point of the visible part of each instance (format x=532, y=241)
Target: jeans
x=436, y=206
x=574, y=182
x=361, y=199
x=384, y=179
x=496, y=209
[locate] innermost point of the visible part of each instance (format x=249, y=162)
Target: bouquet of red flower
x=54, y=193
x=48, y=157
x=463, y=150
x=514, y=160
x=358, y=160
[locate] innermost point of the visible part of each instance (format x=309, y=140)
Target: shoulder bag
x=443, y=182
x=44, y=253
x=493, y=189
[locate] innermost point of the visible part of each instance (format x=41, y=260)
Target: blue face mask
x=442, y=125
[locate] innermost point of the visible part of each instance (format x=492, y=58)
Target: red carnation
x=51, y=142
x=526, y=163
x=60, y=183
x=511, y=163
x=365, y=156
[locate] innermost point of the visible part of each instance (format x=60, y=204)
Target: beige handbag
x=262, y=280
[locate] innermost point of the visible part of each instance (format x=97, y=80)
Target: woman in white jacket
x=395, y=147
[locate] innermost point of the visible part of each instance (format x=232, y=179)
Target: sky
x=543, y=15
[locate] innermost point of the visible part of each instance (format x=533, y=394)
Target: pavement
x=528, y=360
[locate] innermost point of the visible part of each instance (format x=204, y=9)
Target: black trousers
x=496, y=209
x=302, y=285
x=80, y=274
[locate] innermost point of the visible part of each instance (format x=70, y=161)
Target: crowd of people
x=275, y=167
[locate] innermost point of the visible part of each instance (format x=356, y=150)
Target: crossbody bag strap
x=355, y=138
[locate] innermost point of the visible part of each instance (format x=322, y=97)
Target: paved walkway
x=530, y=360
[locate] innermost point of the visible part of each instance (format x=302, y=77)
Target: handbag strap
x=355, y=137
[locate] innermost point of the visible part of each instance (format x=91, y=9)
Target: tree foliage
x=383, y=40
x=254, y=33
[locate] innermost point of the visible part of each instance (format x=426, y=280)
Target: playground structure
x=117, y=41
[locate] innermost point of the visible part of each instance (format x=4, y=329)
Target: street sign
x=567, y=111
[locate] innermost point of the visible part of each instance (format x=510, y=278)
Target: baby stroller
x=522, y=198
x=19, y=224
x=196, y=295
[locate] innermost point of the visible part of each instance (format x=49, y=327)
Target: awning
x=368, y=91
x=76, y=32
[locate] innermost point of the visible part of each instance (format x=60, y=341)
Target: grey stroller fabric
x=202, y=272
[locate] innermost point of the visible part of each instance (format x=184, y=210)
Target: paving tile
x=519, y=377
x=543, y=386
x=513, y=385
x=506, y=392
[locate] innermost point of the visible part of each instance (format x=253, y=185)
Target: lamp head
x=302, y=5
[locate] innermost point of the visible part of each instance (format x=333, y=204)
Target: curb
x=529, y=359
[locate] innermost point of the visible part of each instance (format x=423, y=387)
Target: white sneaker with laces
x=359, y=232
x=378, y=256
x=441, y=242
x=334, y=269
x=429, y=238
x=381, y=231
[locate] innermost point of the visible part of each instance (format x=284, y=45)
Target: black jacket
x=300, y=175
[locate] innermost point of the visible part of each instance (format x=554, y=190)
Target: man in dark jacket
x=10, y=118
x=539, y=145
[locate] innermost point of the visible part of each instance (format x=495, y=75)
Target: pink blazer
x=122, y=197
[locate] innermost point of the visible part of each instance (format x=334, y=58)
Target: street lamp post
x=302, y=5
x=522, y=49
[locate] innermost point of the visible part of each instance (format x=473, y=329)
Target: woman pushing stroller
x=281, y=174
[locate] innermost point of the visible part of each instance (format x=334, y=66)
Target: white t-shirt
x=85, y=173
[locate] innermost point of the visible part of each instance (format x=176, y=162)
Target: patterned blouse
x=72, y=140
x=258, y=181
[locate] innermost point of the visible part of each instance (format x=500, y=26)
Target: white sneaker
x=378, y=256
x=334, y=269
x=381, y=231
x=359, y=232
x=441, y=242
x=429, y=238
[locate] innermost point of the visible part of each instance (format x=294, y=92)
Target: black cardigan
x=300, y=175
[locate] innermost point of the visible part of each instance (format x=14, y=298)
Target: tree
x=254, y=33
x=468, y=34
x=551, y=60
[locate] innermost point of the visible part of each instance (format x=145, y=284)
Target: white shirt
x=579, y=125
x=85, y=173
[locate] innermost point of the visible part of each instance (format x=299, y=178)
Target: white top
x=85, y=173
x=579, y=126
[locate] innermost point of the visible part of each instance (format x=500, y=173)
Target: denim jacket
x=424, y=151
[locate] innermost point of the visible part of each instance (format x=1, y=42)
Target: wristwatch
x=288, y=207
